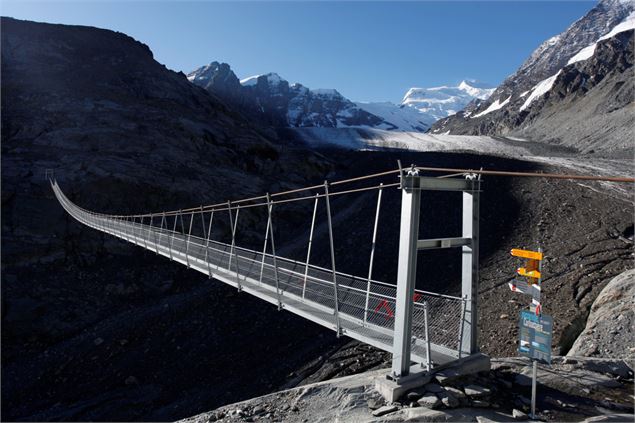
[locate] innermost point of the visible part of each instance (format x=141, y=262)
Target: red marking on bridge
x=386, y=305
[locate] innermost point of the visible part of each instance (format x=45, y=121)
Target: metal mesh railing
x=362, y=305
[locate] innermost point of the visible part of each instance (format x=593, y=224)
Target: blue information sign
x=535, y=336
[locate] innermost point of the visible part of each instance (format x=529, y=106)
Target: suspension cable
x=451, y=172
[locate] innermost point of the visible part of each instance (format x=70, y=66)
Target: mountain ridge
x=272, y=100
x=538, y=81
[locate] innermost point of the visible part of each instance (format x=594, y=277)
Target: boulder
x=429, y=401
x=610, y=326
x=386, y=409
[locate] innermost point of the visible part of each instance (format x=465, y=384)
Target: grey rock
x=457, y=393
x=616, y=299
x=98, y=341
x=414, y=395
x=386, y=409
x=375, y=403
x=519, y=415
x=429, y=401
x=449, y=400
x=476, y=391
x=610, y=418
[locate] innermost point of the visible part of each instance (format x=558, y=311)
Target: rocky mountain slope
x=573, y=90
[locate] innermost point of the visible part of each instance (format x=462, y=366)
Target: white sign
x=523, y=287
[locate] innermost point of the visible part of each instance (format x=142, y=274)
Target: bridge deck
x=365, y=309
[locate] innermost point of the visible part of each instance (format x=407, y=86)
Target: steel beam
x=430, y=244
x=469, y=269
x=444, y=184
x=406, y=274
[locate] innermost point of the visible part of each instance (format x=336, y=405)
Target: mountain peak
x=440, y=102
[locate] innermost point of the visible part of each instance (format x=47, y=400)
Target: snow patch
x=493, y=107
x=402, y=118
x=587, y=52
x=272, y=79
x=541, y=88
x=250, y=81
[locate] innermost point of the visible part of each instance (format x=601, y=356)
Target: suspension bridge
x=427, y=328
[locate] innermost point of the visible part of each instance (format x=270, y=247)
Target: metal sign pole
x=534, y=374
x=536, y=329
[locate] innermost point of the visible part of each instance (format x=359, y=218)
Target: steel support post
x=372, y=252
x=332, y=245
x=129, y=228
x=264, y=247
x=427, y=333
x=209, y=235
x=187, y=243
x=173, y=234
x=406, y=273
x=141, y=230
x=233, y=223
x=157, y=241
x=461, y=325
x=273, y=249
x=469, y=270
x=150, y=230
x=308, y=251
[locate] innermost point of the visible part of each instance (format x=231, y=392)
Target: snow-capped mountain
x=440, y=102
x=270, y=99
x=399, y=117
x=273, y=101
x=574, y=89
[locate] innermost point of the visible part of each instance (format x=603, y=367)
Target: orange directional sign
x=533, y=255
x=530, y=273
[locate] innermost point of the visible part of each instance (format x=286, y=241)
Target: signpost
x=536, y=329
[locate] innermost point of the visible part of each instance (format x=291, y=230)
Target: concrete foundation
x=392, y=389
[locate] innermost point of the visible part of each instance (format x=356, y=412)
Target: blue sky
x=369, y=51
